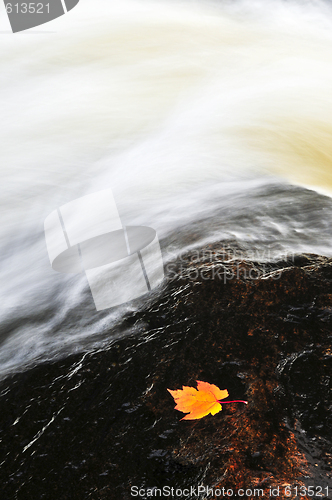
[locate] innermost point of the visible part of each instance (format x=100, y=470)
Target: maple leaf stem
x=236, y=401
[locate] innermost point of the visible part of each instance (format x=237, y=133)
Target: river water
x=213, y=118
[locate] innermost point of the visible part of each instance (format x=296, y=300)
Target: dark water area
x=268, y=221
x=95, y=425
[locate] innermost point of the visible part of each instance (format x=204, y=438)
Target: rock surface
x=92, y=426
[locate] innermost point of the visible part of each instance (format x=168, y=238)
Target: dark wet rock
x=92, y=426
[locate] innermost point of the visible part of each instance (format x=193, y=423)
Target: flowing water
x=215, y=116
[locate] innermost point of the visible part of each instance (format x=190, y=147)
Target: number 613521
x=28, y=8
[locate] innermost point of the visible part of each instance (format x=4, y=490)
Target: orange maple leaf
x=201, y=401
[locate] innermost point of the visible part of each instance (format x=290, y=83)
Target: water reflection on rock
x=93, y=426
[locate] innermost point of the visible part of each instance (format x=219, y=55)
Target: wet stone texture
x=92, y=426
